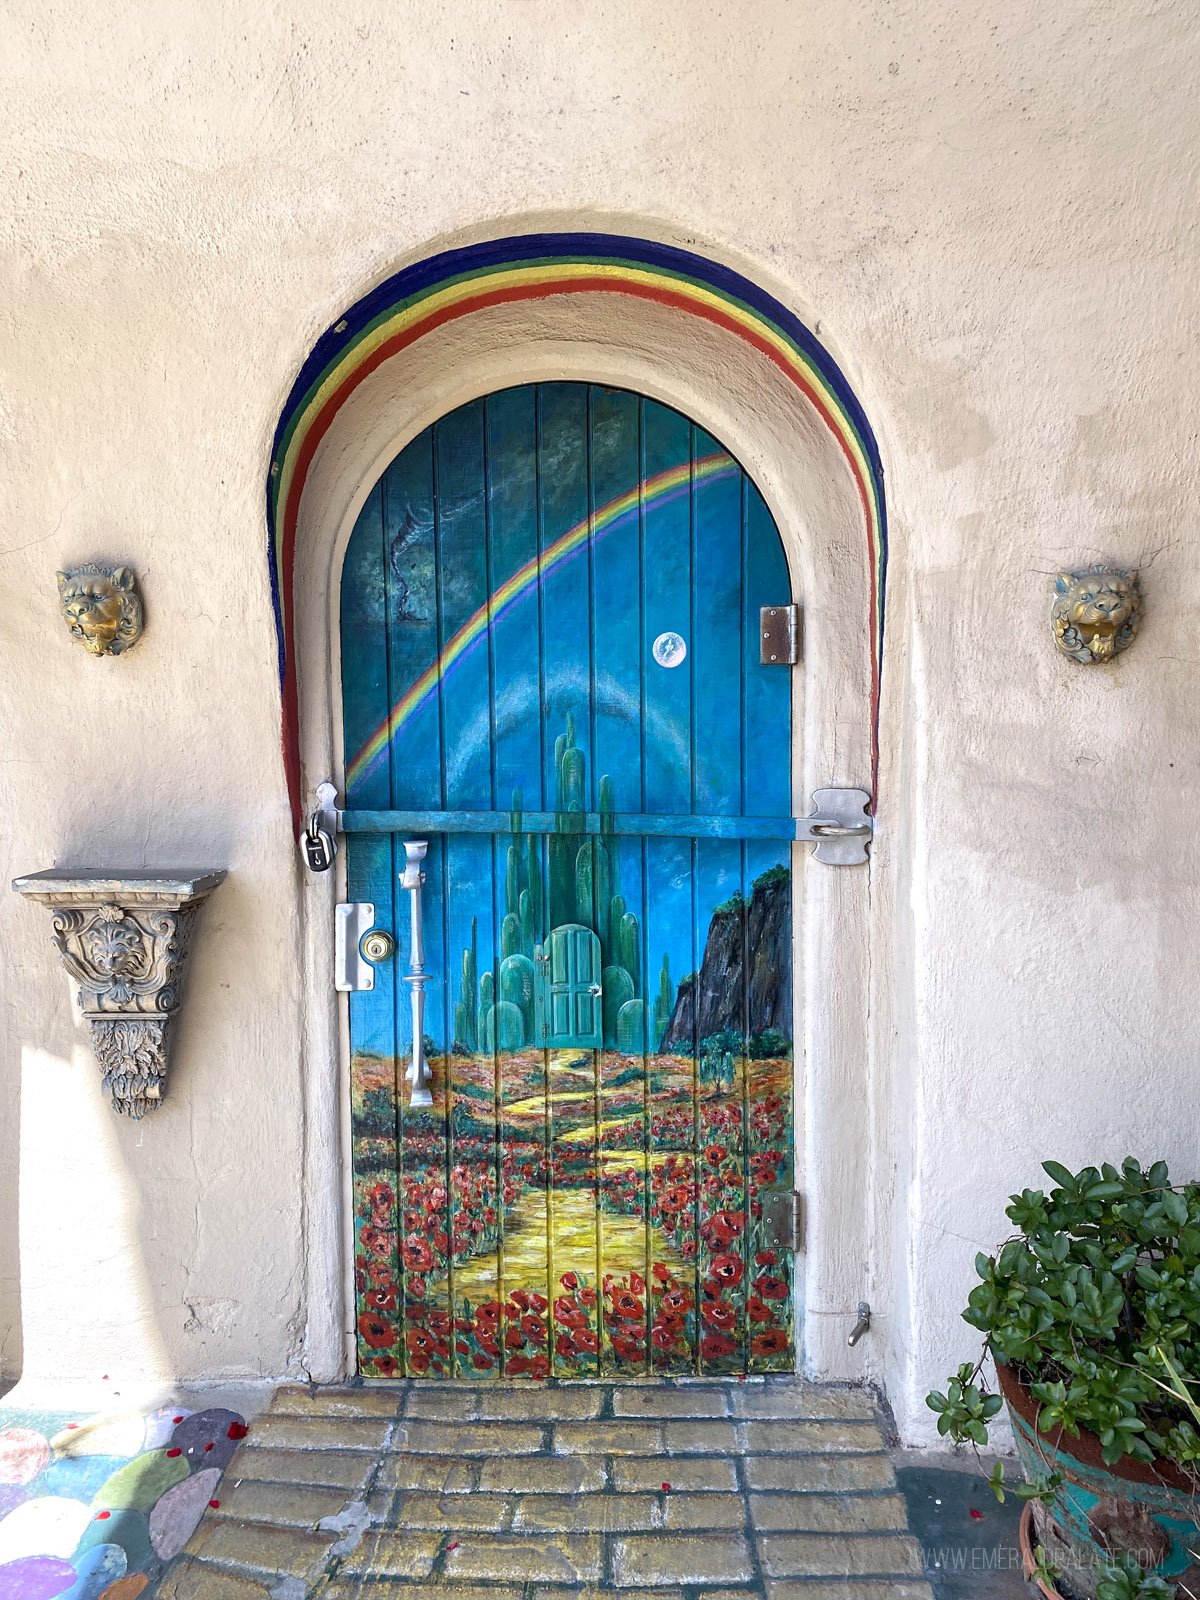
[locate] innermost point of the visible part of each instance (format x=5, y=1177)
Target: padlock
x=318, y=846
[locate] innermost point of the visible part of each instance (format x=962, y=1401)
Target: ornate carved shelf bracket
x=122, y=934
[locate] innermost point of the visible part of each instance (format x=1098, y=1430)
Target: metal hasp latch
x=319, y=839
x=779, y=636
x=839, y=826
x=863, y=1325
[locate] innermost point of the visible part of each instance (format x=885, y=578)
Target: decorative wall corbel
x=123, y=936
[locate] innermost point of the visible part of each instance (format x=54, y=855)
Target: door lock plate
x=353, y=920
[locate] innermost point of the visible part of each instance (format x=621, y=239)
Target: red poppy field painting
x=598, y=1228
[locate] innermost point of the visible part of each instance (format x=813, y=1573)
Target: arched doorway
x=706, y=341
x=551, y=677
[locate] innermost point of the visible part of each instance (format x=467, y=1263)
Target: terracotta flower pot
x=1027, y=1541
x=1099, y=1510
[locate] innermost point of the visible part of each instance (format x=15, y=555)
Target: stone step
x=660, y=1490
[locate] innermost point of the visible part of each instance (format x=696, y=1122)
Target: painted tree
x=466, y=1010
x=664, y=1002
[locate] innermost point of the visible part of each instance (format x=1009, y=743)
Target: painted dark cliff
x=726, y=996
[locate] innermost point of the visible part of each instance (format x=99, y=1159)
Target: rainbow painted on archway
x=431, y=293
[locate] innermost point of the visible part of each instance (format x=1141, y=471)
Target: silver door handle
x=411, y=879
x=595, y=988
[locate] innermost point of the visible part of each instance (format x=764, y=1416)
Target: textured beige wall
x=990, y=210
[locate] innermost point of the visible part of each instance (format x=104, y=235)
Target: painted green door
x=567, y=974
x=549, y=629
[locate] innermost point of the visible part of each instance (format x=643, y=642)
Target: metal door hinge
x=783, y=1219
x=779, y=636
x=839, y=826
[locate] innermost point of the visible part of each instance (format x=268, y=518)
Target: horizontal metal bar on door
x=572, y=822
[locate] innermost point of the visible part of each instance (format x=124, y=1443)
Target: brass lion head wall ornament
x=1096, y=613
x=102, y=607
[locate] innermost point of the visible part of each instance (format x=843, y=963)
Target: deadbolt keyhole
x=376, y=946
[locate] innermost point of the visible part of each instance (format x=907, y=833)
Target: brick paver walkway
x=697, y=1491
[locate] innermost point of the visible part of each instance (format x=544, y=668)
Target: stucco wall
x=988, y=211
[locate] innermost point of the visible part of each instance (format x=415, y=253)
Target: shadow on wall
x=89, y=1309
x=77, y=1257
x=11, y=1347
x=136, y=1239
x=99, y=1501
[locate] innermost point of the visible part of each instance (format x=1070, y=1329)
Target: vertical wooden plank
x=616, y=872
x=410, y=540
x=770, y=1326
x=373, y=1088
x=461, y=1131
x=767, y=717
x=566, y=698
x=511, y=445
x=671, y=1133
x=670, y=959
x=717, y=610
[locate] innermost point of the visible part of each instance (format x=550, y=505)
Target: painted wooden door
x=549, y=625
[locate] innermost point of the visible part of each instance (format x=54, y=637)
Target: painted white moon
x=669, y=650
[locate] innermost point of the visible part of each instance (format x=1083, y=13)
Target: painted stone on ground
x=140, y=1482
x=174, y=1518
x=105, y=1435
x=11, y=1496
x=35, y=1578
x=209, y=1438
x=23, y=1454
x=166, y=1464
x=97, y=1570
x=161, y=1424
x=129, y=1529
x=127, y=1588
x=48, y=1526
x=78, y=1476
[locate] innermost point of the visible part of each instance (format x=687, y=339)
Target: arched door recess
x=673, y=326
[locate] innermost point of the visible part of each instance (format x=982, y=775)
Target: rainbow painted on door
x=550, y=613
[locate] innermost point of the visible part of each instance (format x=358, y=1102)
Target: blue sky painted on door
x=465, y=534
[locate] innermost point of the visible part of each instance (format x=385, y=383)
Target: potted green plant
x=1091, y=1313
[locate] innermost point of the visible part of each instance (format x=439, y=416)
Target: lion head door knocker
x=1096, y=613
x=102, y=607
